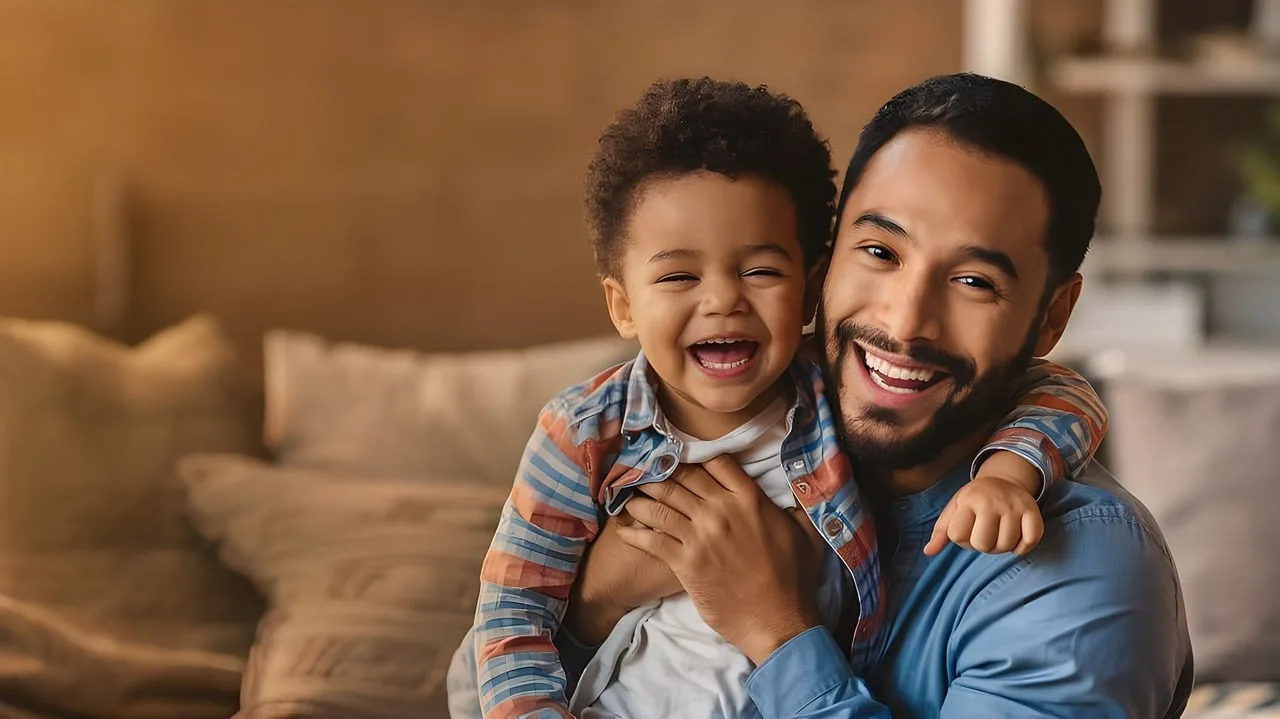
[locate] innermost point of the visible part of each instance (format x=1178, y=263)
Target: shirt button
x=833, y=527
x=798, y=465
x=802, y=487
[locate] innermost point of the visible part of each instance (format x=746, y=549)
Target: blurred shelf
x=1183, y=255
x=1139, y=75
x=1215, y=360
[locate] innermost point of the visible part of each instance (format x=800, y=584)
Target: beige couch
x=155, y=564
x=141, y=528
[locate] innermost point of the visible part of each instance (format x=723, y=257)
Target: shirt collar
x=642, y=411
x=927, y=505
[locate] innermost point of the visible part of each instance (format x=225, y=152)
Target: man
x=966, y=212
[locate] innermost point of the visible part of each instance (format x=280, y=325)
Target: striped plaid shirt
x=595, y=442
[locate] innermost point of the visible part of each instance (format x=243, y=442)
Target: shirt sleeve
x=1091, y=624
x=528, y=572
x=1057, y=425
x=810, y=678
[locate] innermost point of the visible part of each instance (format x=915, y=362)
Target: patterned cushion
x=371, y=583
x=1234, y=701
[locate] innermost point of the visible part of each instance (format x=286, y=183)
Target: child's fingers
x=938, y=539
x=1032, y=532
x=1010, y=533
x=961, y=527
x=986, y=532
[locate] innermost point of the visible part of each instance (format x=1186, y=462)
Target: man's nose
x=912, y=308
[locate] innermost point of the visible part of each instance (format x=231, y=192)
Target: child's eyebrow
x=685, y=253
x=771, y=248
x=678, y=254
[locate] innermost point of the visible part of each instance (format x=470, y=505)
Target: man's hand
x=748, y=566
x=614, y=579
x=994, y=513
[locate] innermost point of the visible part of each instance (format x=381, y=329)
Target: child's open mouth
x=724, y=357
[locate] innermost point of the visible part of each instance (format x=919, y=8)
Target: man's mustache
x=962, y=370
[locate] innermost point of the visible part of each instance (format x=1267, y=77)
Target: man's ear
x=1057, y=313
x=615, y=298
x=813, y=287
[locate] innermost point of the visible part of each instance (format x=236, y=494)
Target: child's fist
x=990, y=515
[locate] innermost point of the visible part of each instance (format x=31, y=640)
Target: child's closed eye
x=676, y=277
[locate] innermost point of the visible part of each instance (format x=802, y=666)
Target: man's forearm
x=809, y=676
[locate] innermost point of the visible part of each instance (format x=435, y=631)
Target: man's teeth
x=895, y=372
x=885, y=386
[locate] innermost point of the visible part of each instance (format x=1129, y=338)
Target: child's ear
x=813, y=288
x=615, y=298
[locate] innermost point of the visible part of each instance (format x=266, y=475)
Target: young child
x=709, y=205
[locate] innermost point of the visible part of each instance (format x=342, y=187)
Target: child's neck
x=698, y=421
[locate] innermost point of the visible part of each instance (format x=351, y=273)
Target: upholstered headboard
x=437, y=266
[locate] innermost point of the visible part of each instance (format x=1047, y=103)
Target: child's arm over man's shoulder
x=1051, y=434
x=1057, y=425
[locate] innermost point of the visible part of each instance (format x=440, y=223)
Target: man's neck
x=913, y=480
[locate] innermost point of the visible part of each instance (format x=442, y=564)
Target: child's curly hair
x=687, y=125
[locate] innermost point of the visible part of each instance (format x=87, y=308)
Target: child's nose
x=723, y=297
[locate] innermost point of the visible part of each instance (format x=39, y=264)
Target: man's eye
x=878, y=252
x=976, y=282
x=678, y=277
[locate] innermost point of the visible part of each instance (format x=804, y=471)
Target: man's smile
x=894, y=381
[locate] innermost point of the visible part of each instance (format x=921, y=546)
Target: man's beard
x=974, y=404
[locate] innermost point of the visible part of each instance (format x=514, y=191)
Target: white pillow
x=1202, y=455
x=400, y=413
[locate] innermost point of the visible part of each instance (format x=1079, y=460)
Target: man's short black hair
x=686, y=125
x=1007, y=121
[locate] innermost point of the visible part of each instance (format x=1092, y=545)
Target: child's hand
x=994, y=513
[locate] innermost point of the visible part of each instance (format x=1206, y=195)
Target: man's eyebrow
x=677, y=254
x=995, y=258
x=883, y=223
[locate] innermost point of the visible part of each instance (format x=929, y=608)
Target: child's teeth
x=726, y=365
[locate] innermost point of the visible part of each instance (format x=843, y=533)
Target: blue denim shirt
x=1090, y=624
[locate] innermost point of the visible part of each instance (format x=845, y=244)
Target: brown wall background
x=389, y=171
x=404, y=172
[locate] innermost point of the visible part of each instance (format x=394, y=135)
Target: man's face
x=934, y=298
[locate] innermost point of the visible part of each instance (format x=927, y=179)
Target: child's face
x=713, y=286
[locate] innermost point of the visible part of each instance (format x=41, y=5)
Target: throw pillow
x=92, y=517
x=371, y=583
x=401, y=413
x=1199, y=448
